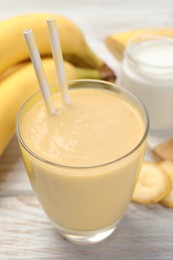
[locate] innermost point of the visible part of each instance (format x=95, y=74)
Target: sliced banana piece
x=152, y=185
x=168, y=167
x=164, y=150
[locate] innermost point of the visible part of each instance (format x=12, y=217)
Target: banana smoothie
x=84, y=161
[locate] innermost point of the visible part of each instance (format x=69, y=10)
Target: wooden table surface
x=146, y=232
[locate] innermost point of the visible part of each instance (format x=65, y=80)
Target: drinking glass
x=85, y=203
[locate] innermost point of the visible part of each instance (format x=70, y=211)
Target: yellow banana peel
x=13, y=47
x=20, y=82
x=116, y=43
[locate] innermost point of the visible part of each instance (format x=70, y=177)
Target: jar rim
x=141, y=36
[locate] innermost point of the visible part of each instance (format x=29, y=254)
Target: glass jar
x=147, y=71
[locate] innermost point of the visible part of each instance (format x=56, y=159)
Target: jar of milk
x=147, y=71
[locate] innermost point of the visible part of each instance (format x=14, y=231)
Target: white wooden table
x=146, y=232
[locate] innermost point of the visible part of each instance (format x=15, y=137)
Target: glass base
x=87, y=237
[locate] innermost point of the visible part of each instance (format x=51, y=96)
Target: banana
x=20, y=82
x=117, y=42
x=13, y=48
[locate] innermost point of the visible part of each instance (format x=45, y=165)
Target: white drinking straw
x=58, y=59
x=38, y=67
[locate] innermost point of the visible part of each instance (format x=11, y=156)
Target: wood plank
x=13, y=177
x=26, y=233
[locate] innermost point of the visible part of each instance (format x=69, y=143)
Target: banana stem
x=107, y=73
x=104, y=73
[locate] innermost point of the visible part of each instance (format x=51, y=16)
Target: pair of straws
x=38, y=67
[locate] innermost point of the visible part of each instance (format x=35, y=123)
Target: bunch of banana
x=74, y=46
x=17, y=78
x=117, y=42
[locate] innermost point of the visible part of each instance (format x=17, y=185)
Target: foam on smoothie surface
x=96, y=128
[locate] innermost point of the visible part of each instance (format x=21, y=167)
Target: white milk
x=147, y=71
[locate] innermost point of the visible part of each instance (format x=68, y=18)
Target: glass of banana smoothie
x=83, y=162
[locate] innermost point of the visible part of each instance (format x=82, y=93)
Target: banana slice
x=168, y=167
x=152, y=185
x=164, y=150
